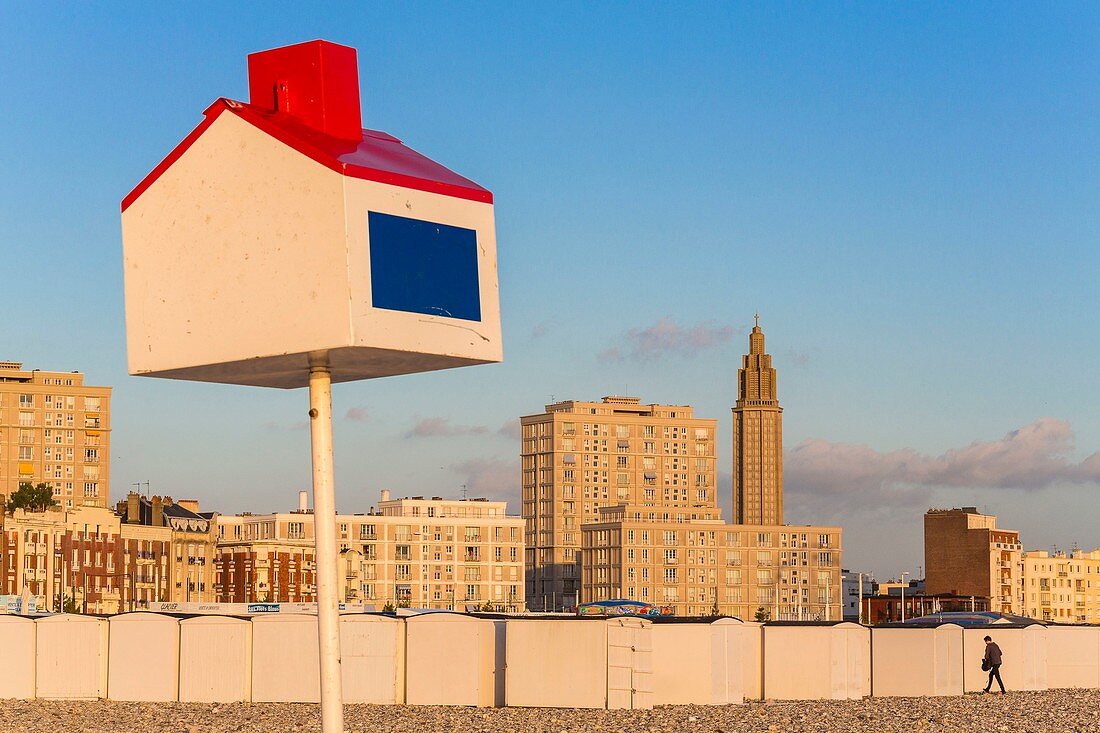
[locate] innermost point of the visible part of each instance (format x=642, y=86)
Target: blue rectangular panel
x=423, y=267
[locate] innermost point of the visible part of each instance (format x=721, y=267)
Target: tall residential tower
x=757, y=439
x=55, y=429
x=578, y=457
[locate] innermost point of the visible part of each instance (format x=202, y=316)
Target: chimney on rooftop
x=158, y=512
x=316, y=83
x=385, y=495
x=133, y=508
x=303, y=502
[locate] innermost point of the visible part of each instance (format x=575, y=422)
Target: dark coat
x=992, y=653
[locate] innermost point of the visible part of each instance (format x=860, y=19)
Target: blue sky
x=908, y=197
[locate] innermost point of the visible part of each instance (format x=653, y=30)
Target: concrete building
x=856, y=585
x=101, y=561
x=265, y=558
x=578, y=457
x=191, y=557
x=1062, y=588
x=966, y=554
x=417, y=552
x=85, y=559
x=757, y=439
x=692, y=563
x=57, y=430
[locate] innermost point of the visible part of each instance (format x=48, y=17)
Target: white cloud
x=666, y=336
x=435, y=427
x=838, y=477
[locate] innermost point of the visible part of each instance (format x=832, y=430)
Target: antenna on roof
x=463, y=492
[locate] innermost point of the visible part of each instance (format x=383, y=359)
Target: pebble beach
x=1052, y=711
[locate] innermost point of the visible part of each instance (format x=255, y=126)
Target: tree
x=762, y=615
x=36, y=498
x=388, y=608
x=487, y=607
x=715, y=612
x=70, y=605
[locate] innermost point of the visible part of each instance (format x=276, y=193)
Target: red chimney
x=316, y=82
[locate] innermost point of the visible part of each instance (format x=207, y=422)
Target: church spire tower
x=757, y=438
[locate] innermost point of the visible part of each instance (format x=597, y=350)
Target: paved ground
x=1056, y=711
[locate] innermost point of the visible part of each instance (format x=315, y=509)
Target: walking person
x=992, y=662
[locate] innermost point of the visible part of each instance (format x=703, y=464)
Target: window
x=670, y=575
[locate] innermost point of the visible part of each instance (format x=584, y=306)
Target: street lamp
x=903, y=595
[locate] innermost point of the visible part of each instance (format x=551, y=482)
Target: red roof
x=377, y=157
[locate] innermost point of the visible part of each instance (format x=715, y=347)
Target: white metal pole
x=861, y=597
x=324, y=522
x=903, y=576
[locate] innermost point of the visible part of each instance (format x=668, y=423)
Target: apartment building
x=85, y=559
x=193, y=549
x=691, y=563
x=57, y=430
x=966, y=554
x=579, y=457
x=1062, y=588
x=417, y=552
x=102, y=561
x=265, y=558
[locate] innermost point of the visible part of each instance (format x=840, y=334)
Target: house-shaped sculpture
x=281, y=227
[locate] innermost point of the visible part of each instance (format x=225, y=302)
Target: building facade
x=694, y=564
x=1062, y=588
x=857, y=586
x=54, y=429
x=95, y=560
x=86, y=560
x=413, y=552
x=265, y=558
x=757, y=439
x=578, y=457
x=193, y=548
x=966, y=554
